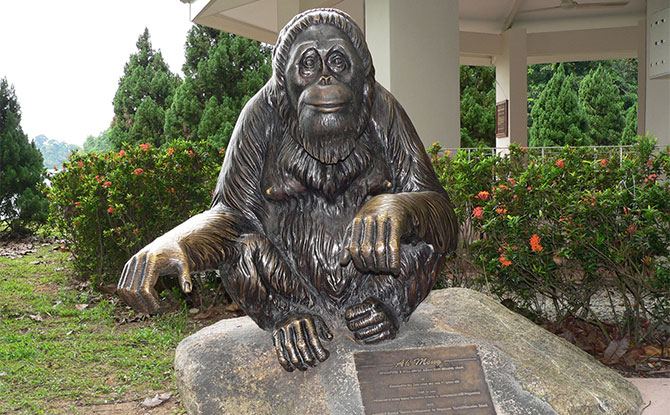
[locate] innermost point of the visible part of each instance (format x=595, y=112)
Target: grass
x=57, y=355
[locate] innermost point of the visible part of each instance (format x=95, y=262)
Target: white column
x=415, y=50
x=511, y=85
x=657, y=108
x=641, y=78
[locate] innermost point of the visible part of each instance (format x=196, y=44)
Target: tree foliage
x=601, y=101
x=558, y=119
x=478, y=97
x=223, y=71
x=630, y=130
x=146, y=87
x=21, y=201
x=98, y=144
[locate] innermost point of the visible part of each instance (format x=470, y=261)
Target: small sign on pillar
x=502, y=119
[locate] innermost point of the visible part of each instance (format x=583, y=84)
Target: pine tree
x=557, y=118
x=148, y=123
x=20, y=167
x=218, y=65
x=183, y=116
x=478, y=97
x=601, y=102
x=145, y=75
x=630, y=130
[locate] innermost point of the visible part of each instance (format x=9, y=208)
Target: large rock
x=231, y=368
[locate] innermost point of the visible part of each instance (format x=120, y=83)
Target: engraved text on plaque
x=436, y=380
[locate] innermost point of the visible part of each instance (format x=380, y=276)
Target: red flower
x=77, y=203
x=512, y=181
x=122, y=153
x=501, y=210
x=603, y=163
x=110, y=209
x=106, y=185
x=478, y=213
x=223, y=150
x=560, y=163
x=535, y=243
x=651, y=178
x=80, y=164
x=190, y=153
x=145, y=146
x=504, y=262
x=483, y=195
x=138, y=171
x=55, y=166
x=170, y=151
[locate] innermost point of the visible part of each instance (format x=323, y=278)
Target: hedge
x=566, y=227
x=108, y=206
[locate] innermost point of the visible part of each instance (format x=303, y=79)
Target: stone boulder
x=231, y=367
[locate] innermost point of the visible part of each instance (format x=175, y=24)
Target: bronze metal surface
x=327, y=209
x=436, y=380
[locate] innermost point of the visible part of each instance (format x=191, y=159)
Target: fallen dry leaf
x=652, y=350
x=35, y=317
x=81, y=306
x=615, y=350
x=149, y=403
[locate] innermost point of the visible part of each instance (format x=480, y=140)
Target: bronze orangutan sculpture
x=327, y=210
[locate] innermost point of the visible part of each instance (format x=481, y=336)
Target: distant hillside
x=54, y=152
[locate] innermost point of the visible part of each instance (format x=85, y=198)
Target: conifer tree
x=20, y=167
x=557, y=117
x=148, y=123
x=601, y=102
x=218, y=65
x=145, y=75
x=630, y=130
x=478, y=97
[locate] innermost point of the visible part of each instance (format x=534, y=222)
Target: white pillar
x=642, y=78
x=511, y=85
x=657, y=108
x=415, y=50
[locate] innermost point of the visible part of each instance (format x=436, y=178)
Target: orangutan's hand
x=373, y=239
x=136, y=286
x=297, y=341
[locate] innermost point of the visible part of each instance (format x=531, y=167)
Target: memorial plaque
x=436, y=380
x=502, y=124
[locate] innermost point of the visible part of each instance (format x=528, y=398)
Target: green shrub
x=566, y=227
x=108, y=206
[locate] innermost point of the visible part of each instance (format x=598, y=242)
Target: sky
x=65, y=58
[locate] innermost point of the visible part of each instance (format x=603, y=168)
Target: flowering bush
x=108, y=206
x=566, y=227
